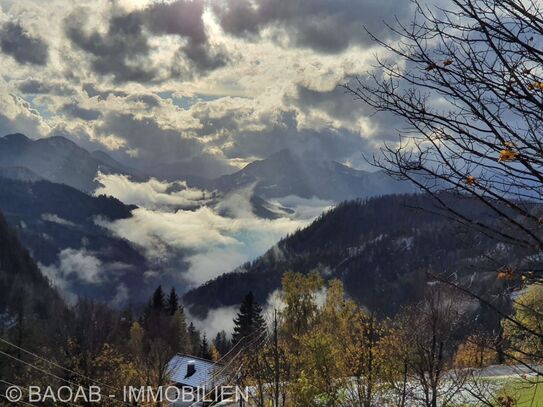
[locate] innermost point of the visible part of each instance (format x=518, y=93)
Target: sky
x=194, y=87
x=201, y=86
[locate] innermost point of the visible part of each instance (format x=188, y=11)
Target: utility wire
x=57, y=365
x=231, y=361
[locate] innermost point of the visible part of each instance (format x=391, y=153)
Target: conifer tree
x=172, y=303
x=178, y=338
x=194, y=339
x=204, y=348
x=222, y=343
x=158, y=301
x=249, y=321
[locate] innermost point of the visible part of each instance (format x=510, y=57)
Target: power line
x=38, y=368
x=57, y=365
x=231, y=361
x=48, y=373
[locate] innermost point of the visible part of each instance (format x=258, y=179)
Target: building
x=200, y=377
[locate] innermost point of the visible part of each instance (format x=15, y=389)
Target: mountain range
x=285, y=173
x=381, y=248
x=56, y=159
x=377, y=243
x=59, y=225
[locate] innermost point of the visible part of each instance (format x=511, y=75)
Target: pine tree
x=204, y=348
x=172, y=304
x=158, y=301
x=178, y=338
x=194, y=339
x=222, y=343
x=249, y=321
x=154, y=315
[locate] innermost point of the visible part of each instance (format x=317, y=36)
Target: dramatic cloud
x=25, y=48
x=152, y=194
x=127, y=50
x=121, y=52
x=192, y=89
x=339, y=110
x=185, y=19
x=207, y=242
x=19, y=116
x=328, y=26
x=37, y=87
x=150, y=141
x=75, y=111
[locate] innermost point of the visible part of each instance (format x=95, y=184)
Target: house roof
x=204, y=375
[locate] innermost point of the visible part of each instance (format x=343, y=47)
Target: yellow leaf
x=535, y=86
x=471, y=180
x=508, y=155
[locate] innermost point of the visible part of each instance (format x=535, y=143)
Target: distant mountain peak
x=286, y=173
x=57, y=159
x=16, y=137
x=60, y=142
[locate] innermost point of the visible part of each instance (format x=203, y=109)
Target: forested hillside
x=380, y=248
x=28, y=304
x=43, y=341
x=57, y=222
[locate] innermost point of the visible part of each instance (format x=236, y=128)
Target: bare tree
x=469, y=83
x=421, y=345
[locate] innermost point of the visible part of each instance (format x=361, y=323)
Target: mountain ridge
x=381, y=248
x=285, y=173
x=56, y=159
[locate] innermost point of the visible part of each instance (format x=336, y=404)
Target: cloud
x=93, y=91
x=21, y=45
x=73, y=267
x=164, y=89
x=327, y=26
x=198, y=244
x=81, y=265
x=38, y=87
x=121, y=51
x=18, y=116
x=152, y=194
x=127, y=50
x=76, y=111
x=53, y=218
x=149, y=100
x=335, y=108
x=217, y=320
x=222, y=319
x=121, y=298
x=184, y=18
x=151, y=140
